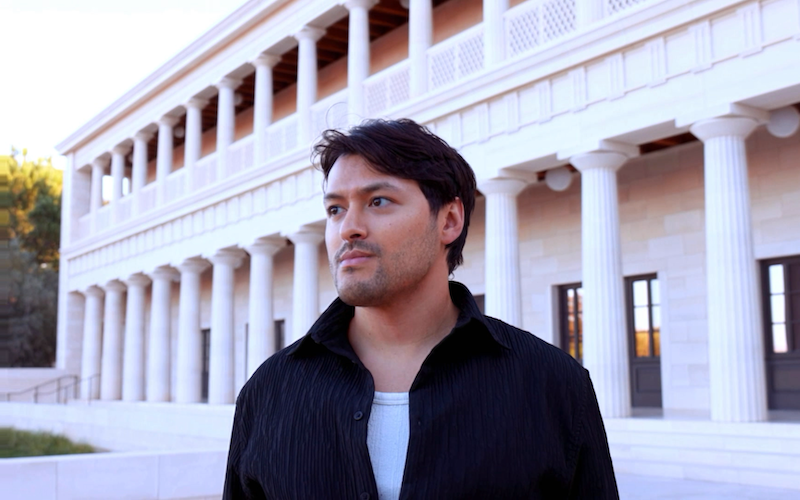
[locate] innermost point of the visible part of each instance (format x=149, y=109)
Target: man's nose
x=353, y=225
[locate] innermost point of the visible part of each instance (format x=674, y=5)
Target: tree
x=31, y=198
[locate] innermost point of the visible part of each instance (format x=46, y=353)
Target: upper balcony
x=260, y=119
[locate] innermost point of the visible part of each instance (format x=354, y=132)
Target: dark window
x=206, y=333
x=480, y=300
x=781, y=292
x=571, y=319
x=280, y=334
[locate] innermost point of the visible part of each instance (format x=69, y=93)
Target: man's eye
x=379, y=202
x=334, y=210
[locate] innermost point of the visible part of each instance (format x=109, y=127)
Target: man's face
x=381, y=237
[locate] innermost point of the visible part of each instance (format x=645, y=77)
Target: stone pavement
x=632, y=487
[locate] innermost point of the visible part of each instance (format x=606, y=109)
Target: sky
x=64, y=61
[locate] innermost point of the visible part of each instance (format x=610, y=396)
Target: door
x=644, y=334
x=570, y=298
x=206, y=333
x=781, y=292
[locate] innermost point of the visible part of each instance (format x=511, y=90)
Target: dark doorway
x=206, y=333
x=781, y=291
x=643, y=299
x=280, y=334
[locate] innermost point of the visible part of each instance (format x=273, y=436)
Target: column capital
x=164, y=273
x=143, y=135
x=725, y=110
x=228, y=256
x=100, y=162
x=228, y=82
x=114, y=286
x=266, y=246
x=94, y=291
x=268, y=60
x=308, y=235
x=194, y=265
x=121, y=149
x=356, y=4
x=607, y=155
x=196, y=103
x=168, y=121
x=502, y=185
x=736, y=126
x=137, y=279
x=309, y=32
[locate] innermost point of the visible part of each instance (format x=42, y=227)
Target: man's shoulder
x=276, y=370
x=542, y=356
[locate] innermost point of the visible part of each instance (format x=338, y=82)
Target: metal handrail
x=60, y=388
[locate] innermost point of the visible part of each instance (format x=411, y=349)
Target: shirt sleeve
x=235, y=487
x=594, y=471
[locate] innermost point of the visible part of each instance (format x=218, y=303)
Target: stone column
x=133, y=362
x=494, y=33
x=96, y=195
x=306, y=80
x=503, y=293
x=357, y=56
x=221, y=366
x=92, y=341
x=226, y=122
x=305, y=293
x=588, y=12
x=158, y=346
x=262, y=104
x=164, y=156
x=735, y=341
x=261, y=329
x=194, y=138
x=113, y=326
x=139, y=173
x=189, y=386
x=420, y=38
x=605, y=346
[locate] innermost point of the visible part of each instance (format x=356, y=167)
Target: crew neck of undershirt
x=390, y=398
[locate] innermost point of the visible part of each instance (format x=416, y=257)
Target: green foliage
x=16, y=443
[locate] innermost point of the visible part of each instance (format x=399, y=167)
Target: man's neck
x=393, y=340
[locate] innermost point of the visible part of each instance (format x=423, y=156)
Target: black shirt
x=494, y=413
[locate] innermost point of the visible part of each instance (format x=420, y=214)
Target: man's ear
x=452, y=215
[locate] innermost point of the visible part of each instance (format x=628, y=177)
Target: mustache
x=358, y=245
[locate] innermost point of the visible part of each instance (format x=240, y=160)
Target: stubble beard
x=398, y=273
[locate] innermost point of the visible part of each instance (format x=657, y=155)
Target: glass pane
x=641, y=322
x=580, y=299
x=779, y=343
x=656, y=317
x=570, y=299
x=642, y=344
x=778, y=308
x=571, y=325
x=640, y=293
x=776, y=279
x=572, y=347
x=656, y=341
x=655, y=292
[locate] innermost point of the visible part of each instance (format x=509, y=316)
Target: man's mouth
x=354, y=258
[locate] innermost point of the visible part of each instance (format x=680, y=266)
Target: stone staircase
x=762, y=454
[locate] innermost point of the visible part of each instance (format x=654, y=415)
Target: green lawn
x=16, y=443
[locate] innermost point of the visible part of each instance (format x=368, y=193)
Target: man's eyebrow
x=369, y=188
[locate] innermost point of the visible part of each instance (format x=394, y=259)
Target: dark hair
x=405, y=149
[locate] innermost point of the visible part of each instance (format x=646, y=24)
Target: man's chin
x=359, y=294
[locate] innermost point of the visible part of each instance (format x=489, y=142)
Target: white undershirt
x=387, y=441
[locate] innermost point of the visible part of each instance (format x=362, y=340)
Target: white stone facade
x=224, y=231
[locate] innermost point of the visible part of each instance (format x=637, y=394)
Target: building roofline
x=247, y=15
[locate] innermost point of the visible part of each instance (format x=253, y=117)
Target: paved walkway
x=633, y=487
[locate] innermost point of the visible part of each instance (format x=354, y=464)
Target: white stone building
x=640, y=207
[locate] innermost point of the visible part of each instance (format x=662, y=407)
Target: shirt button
x=365, y=495
x=358, y=416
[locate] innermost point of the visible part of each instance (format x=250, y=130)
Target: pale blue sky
x=64, y=61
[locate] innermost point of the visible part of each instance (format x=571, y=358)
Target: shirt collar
x=330, y=330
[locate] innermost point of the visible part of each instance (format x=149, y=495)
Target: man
x=402, y=388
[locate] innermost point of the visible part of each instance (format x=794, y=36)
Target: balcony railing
x=125, y=208
x=388, y=88
x=535, y=23
x=176, y=185
x=240, y=155
x=282, y=136
x=205, y=171
x=330, y=112
x=455, y=58
x=147, y=198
